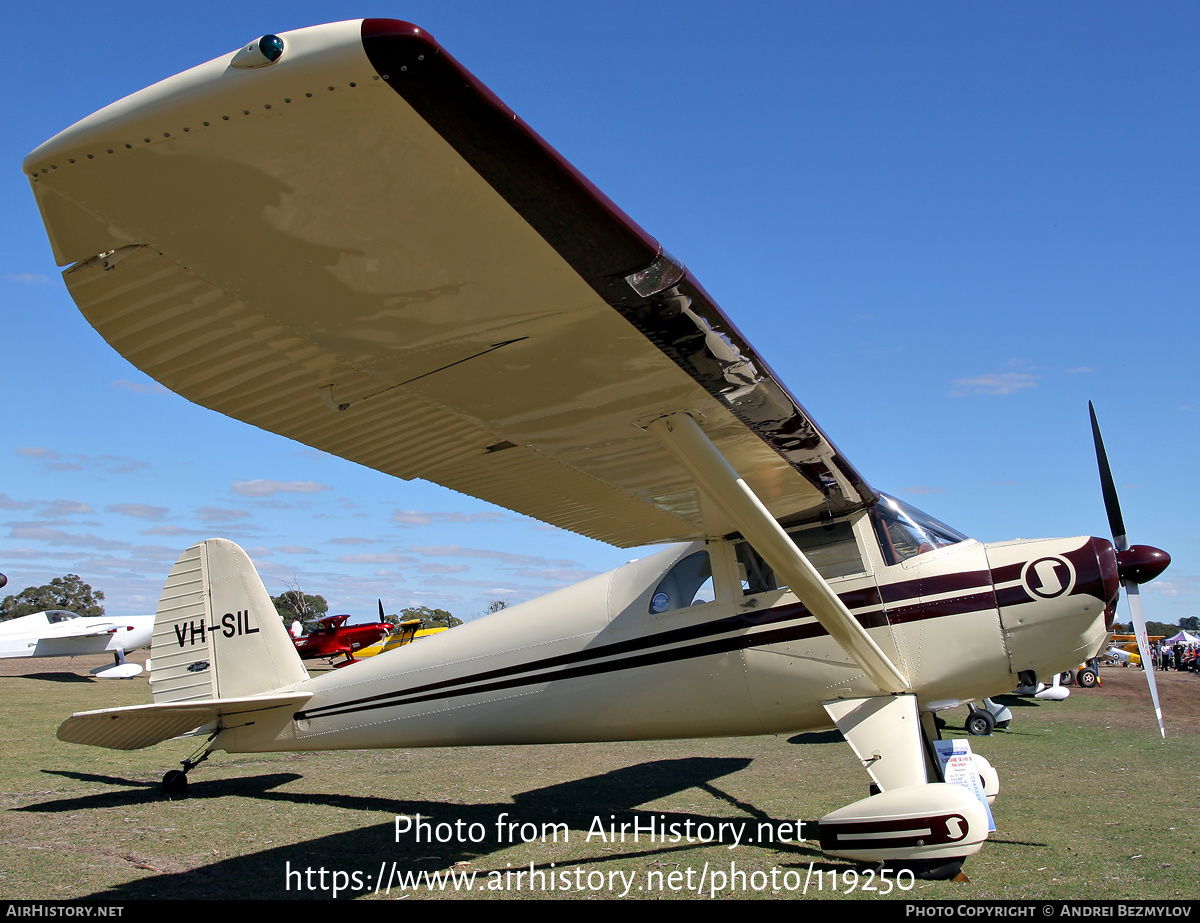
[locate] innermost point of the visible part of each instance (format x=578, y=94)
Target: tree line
x=68, y=592
x=71, y=593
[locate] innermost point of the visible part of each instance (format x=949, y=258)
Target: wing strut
x=681, y=435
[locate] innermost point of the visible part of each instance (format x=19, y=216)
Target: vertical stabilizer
x=216, y=633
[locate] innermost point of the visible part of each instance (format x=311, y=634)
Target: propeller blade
x=1133, y=597
x=1121, y=542
x=1112, y=506
x=381, y=618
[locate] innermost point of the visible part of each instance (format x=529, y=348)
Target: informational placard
x=958, y=766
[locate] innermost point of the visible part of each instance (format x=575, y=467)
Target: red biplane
x=333, y=637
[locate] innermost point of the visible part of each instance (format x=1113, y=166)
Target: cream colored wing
x=359, y=247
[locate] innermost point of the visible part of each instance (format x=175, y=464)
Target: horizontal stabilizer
x=138, y=726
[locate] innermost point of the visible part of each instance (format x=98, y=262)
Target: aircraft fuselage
x=64, y=634
x=681, y=644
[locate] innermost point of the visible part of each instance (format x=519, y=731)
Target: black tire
x=980, y=723
x=927, y=869
x=1066, y=678
x=175, y=782
x=1088, y=679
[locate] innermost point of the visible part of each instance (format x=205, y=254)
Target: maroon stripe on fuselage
x=940, y=608
x=1012, y=596
x=935, y=584
x=591, y=661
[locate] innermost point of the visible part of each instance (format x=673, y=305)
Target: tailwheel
x=175, y=782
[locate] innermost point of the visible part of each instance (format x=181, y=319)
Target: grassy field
x=1092, y=805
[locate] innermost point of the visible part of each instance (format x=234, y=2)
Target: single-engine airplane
x=332, y=637
x=406, y=632
x=340, y=235
x=1121, y=654
x=59, y=633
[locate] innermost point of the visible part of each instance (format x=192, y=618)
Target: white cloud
x=27, y=278
x=264, y=488
x=563, y=576
x=113, y=464
x=139, y=387
x=117, y=464
x=8, y=503
x=1179, y=586
x=920, y=489
x=65, y=508
x=419, y=518
x=169, y=530
x=504, y=557
x=137, y=510
x=31, y=531
x=442, y=568
x=212, y=514
x=994, y=383
x=374, y=559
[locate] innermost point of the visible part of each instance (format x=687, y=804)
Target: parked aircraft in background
x=331, y=637
x=58, y=633
x=406, y=632
x=1118, y=653
x=339, y=235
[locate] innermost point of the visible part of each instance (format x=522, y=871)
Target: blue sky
x=946, y=226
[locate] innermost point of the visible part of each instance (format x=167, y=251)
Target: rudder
x=216, y=632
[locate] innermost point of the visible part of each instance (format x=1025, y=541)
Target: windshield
x=904, y=531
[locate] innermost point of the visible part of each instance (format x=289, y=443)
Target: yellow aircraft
x=405, y=633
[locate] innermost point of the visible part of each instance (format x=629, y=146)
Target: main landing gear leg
x=916, y=822
x=175, y=782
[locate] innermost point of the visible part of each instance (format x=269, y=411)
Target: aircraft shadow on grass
x=138, y=791
x=818, y=737
x=59, y=677
x=611, y=796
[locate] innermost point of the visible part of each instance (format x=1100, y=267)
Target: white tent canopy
x=1184, y=636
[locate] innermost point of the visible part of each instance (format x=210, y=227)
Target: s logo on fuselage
x=1047, y=578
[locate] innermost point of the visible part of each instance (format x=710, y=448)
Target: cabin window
x=55, y=616
x=831, y=548
x=905, y=532
x=688, y=583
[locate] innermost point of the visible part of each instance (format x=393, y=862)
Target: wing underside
x=360, y=248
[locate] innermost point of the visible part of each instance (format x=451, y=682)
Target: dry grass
x=1092, y=805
